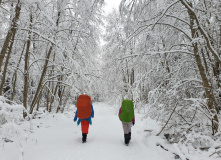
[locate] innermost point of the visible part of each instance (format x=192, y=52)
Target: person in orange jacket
x=84, y=124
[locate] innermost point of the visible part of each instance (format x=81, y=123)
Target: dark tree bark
x=207, y=87
x=54, y=94
x=12, y=31
x=14, y=79
x=26, y=74
x=6, y=65
x=208, y=42
x=40, y=81
x=60, y=101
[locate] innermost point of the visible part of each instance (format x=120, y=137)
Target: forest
x=165, y=55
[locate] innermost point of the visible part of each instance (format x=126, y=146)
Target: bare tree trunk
x=60, y=101
x=26, y=74
x=14, y=79
x=12, y=31
x=39, y=100
x=54, y=90
x=6, y=64
x=65, y=101
x=52, y=101
x=41, y=80
x=214, y=67
x=207, y=87
x=44, y=72
x=216, y=73
x=60, y=90
x=208, y=42
x=48, y=97
x=208, y=91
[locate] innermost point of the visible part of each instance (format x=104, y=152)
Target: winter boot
x=129, y=136
x=126, y=139
x=84, y=137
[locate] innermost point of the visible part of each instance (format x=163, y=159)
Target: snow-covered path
x=59, y=138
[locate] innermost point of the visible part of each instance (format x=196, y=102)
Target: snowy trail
x=60, y=139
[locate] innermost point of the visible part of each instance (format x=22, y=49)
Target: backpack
x=127, y=111
x=84, y=107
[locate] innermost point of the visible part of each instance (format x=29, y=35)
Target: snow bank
x=11, y=116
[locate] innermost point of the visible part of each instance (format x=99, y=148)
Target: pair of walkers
x=85, y=112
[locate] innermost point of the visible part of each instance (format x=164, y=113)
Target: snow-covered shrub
x=184, y=120
x=9, y=113
x=10, y=117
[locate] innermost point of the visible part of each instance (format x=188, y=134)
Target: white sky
x=110, y=4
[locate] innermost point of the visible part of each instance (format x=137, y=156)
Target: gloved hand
x=133, y=123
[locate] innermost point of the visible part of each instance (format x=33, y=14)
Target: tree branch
x=168, y=119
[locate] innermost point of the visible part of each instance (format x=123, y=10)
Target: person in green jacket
x=126, y=115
